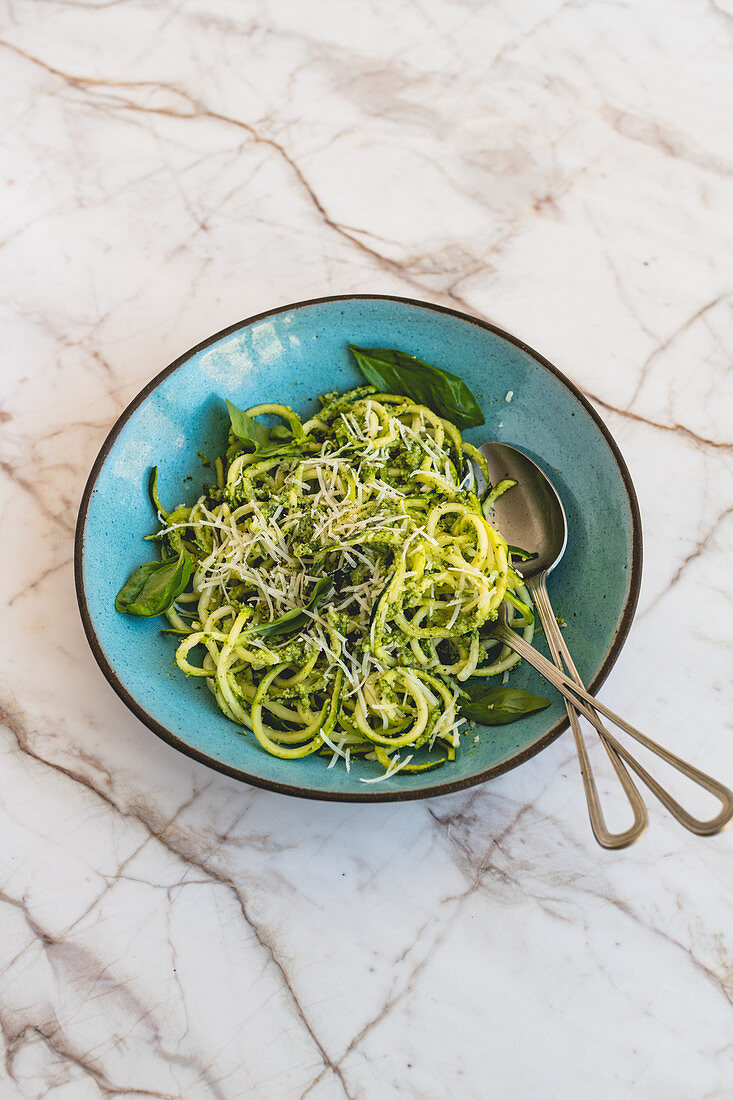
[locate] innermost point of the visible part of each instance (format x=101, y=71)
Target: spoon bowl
x=530, y=515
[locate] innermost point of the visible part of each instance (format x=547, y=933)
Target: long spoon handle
x=605, y=837
x=580, y=698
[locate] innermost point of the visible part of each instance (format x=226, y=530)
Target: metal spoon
x=531, y=515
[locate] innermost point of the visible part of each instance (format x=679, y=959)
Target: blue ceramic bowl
x=291, y=355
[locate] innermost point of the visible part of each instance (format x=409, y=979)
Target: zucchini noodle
x=380, y=496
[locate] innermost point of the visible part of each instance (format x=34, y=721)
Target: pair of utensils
x=532, y=516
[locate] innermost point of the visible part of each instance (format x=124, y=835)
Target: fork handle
x=604, y=836
x=587, y=705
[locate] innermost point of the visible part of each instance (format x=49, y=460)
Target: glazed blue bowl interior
x=291, y=356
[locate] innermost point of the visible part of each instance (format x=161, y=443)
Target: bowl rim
x=371, y=795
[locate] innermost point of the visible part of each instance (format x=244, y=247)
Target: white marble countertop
x=560, y=168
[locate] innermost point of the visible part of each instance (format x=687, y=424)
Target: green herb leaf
x=497, y=706
x=394, y=371
x=293, y=621
x=263, y=440
x=155, y=586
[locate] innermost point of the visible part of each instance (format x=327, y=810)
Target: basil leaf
x=497, y=706
x=155, y=586
x=293, y=621
x=394, y=371
x=263, y=440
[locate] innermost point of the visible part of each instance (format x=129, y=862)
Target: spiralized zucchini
x=379, y=495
